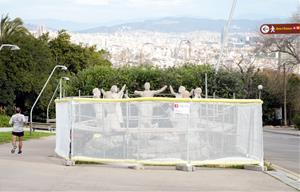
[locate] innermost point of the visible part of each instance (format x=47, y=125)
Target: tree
x=75, y=57
x=9, y=28
x=285, y=44
x=23, y=72
x=287, y=48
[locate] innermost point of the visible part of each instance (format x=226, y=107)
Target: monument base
x=254, y=167
x=185, y=167
x=69, y=162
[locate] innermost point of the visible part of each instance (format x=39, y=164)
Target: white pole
x=51, y=102
x=12, y=47
x=225, y=32
x=62, y=78
x=31, y=110
x=206, y=91
x=60, y=88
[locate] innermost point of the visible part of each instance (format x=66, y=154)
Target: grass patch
x=296, y=121
x=206, y=166
x=88, y=162
x=5, y=137
x=222, y=166
x=4, y=119
x=268, y=166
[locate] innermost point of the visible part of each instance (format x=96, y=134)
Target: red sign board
x=290, y=28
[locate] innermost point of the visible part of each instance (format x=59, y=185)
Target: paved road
x=39, y=170
x=283, y=150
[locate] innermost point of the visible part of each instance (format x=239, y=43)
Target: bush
x=190, y=76
x=4, y=119
x=296, y=121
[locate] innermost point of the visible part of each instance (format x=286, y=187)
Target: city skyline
x=93, y=13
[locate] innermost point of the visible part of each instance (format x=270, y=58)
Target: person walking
x=17, y=121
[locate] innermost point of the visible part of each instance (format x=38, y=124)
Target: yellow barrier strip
x=139, y=99
x=167, y=163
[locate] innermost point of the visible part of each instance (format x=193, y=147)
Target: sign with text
x=289, y=28
x=182, y=108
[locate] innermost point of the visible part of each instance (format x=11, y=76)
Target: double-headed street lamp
x=10, y=46
x=31, y=110
x=58, y=85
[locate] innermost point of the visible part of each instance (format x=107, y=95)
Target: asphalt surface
x=283, y=150
x=38, y=169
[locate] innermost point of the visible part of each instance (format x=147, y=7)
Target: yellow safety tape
x=139, y=99
x=167, y=163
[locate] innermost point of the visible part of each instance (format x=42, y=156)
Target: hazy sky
x=111, y=11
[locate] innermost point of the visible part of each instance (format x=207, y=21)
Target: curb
x=287, y=177
x=281, y=176
x=278, y=132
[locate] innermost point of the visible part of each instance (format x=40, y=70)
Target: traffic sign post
x=288, y=28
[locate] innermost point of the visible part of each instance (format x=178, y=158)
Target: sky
x=109, y=12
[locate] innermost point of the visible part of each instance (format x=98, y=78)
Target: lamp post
x=31, y=110
x=206, y=91
x=58, y=85
x=61, y=86
x=260, y=88
x=10, y=46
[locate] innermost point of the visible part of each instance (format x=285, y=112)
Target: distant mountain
x=168, y=25
x=55, y=24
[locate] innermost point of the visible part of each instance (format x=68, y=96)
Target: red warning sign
x=290, y=28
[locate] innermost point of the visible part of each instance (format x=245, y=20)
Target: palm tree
x=9, y=28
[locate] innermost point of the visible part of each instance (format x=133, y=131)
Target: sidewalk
x=38, y=169
x=9, y=129
x=5, y=129
x=282, y=130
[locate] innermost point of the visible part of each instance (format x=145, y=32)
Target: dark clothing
x=18, y=134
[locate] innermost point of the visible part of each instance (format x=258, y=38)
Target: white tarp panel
x=161, y=131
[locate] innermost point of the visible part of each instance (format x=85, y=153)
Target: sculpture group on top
x=114, y=92
x=113, y=115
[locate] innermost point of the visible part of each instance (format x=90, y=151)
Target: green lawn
x=4, y=119
x=5, y=137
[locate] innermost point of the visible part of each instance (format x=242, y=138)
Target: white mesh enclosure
x=160, y=130
x=63, y=119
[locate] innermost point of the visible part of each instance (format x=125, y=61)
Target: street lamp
x=58, y=85
x=61, y=86
x=57, y=66
x=260, y=88
x=10, y=46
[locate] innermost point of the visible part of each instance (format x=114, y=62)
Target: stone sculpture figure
x=182, y=92
x=114, y=117
x=96, y=93
x=149, y=93
x=97, y=106
x=197, y=93
x=146, y=108
x=113, y=93
x=179, y=120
